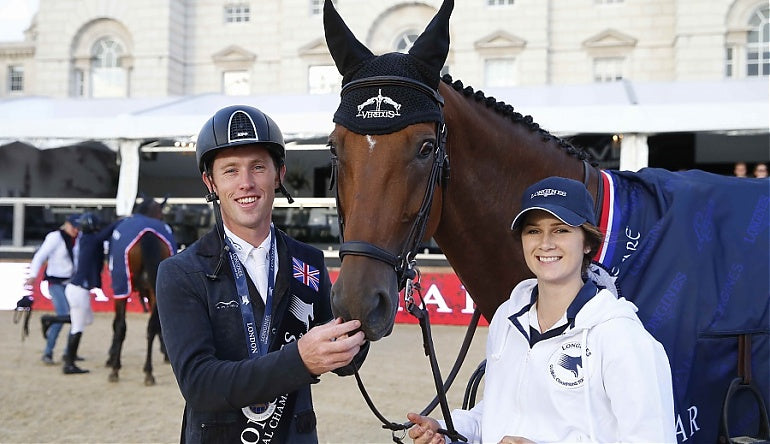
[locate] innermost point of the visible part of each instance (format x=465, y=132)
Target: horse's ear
x=344, y=47
x=432, y=46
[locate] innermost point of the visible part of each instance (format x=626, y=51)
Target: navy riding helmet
x=89, y=222
x=239, y=125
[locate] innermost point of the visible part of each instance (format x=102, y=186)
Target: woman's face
x=552, y=249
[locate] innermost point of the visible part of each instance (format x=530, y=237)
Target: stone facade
x=186, y=47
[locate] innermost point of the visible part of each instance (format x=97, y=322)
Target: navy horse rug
x=125, y=235
x=703, y=238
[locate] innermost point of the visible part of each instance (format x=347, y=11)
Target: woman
x=567, y=360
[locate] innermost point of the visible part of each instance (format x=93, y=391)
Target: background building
x=150, y=48
x=124, y=86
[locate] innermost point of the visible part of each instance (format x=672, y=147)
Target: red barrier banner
x=444, y=295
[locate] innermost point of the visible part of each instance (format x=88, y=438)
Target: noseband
x=403, y=263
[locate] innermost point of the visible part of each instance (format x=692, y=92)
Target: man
x=245, y=309
x=58, y=250
x=87, y=276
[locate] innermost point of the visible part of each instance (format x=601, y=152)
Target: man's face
x=70, y=229
x=245, y=179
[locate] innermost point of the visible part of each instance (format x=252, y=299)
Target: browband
x=393, y=81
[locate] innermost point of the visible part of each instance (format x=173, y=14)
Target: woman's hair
x=593, y=240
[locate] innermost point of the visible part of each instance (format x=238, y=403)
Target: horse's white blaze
x=372, y=142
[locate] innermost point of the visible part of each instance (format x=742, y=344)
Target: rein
x=421, y=313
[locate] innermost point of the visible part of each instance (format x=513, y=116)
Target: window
x=78, y=83
x=405, y=40
x=499, y=2
x=758, y=44
x=729, y=61
x=236, y=83
x=237, y=13
x=15, y=79
x=323, y=79
x=499, y=72
x=317, y=6
x=109, y=78
x=608, y=69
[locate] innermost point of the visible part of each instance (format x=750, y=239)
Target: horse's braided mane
x=507, y=110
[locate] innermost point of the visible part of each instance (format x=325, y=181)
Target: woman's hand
x=515, y=440
x=425, y=430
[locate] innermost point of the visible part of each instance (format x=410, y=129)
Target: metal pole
x=18, y=224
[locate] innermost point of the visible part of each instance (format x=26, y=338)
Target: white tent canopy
x=629, y=108
x=618, y=107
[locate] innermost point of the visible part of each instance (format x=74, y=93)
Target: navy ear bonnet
x=383, y=109
x=385, y=106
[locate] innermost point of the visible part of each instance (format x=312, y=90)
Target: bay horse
x=139, y=243
x=690, y=249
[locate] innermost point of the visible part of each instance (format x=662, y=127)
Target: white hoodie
x=541, y=393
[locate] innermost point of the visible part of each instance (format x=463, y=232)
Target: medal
x=259, y=412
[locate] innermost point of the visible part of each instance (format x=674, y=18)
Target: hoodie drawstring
x=586, y=388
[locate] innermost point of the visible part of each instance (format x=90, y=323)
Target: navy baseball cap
x=566, y=199
x=74, y=219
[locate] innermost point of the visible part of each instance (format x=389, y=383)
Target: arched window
x=405, y=40
x=747, y=50
x=109, y=78
x=758, y=43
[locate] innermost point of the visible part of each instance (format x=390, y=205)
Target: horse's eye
x=427, y=148
x=332, y=148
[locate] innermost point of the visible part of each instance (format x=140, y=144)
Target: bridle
x=404, y=263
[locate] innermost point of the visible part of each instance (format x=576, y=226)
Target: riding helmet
x=239, y=125
x=89, y=222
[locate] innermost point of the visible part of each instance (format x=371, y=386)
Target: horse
x=690, y=249
x=138, y=244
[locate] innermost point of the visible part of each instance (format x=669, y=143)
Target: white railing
x=19, y=206
x=68, y=205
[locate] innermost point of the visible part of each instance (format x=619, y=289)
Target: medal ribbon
x=257, y=346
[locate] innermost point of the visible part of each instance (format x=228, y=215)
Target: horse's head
x=149, y=207
x=389, y=158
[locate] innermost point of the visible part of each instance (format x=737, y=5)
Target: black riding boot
x=69, y=359
x=48, y=320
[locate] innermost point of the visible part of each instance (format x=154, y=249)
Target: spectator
x=740, y=170
x=760, y=170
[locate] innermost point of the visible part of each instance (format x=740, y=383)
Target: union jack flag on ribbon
x=306, y=274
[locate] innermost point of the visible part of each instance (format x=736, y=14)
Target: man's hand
x=330, y=346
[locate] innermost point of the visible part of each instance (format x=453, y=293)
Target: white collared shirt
x=254, y=260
